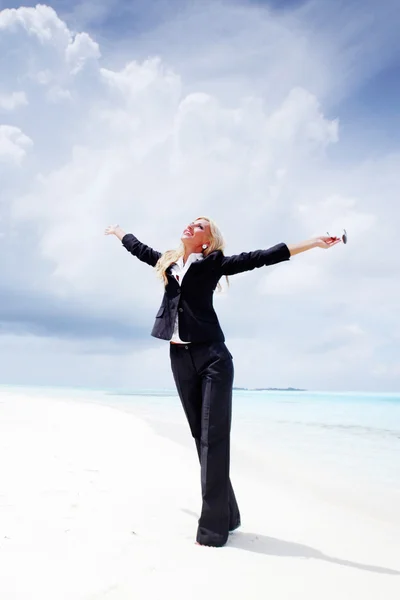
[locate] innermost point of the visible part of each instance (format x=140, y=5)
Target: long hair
x=171, y=256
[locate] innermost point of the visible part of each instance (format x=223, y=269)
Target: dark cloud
x=42, y=315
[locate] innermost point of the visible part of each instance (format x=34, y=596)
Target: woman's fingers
x=110, y=229
x=327, y=242
x=332, y=242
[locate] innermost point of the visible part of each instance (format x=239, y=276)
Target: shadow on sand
x=262, y=544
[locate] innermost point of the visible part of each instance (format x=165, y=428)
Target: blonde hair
x=171, y=256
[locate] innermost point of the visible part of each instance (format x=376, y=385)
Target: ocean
x=344, y=447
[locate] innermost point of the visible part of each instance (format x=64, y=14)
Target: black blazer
x=193, y=299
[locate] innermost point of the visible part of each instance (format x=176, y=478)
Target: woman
x=201, y=363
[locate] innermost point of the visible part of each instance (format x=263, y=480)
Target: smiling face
x=196, y=234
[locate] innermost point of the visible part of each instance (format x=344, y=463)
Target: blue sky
x=279, y=119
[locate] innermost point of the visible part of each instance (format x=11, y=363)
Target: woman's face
x=196, y=234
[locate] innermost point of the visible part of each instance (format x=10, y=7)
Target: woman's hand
x=111, y=229
x=320, y=242
x=327, y=241
x=114, y=230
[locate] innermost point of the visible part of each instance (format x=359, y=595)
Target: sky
x=279, y=120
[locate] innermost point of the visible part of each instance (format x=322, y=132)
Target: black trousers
x=203, y=376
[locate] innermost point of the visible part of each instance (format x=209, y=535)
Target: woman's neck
x=187, y=252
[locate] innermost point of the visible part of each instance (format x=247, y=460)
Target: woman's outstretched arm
x=320, y=242
x=132, y=244
x=247, y=261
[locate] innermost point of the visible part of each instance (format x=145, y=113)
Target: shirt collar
x=191, y=258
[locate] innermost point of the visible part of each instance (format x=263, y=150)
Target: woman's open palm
x=110, y=230
x=326, y=241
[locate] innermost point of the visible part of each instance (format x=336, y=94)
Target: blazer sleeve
x=247, y=261
x=141, y=251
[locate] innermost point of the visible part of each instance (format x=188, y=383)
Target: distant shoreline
x=268, y=389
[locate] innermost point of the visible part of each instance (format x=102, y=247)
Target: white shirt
x=178, y=271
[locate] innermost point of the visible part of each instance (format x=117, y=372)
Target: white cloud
x=47, y=51
x=13, y=144
x=40, y=21
x=58, y=94
x=43, y=77
x=135, y=78
x=302, y=278
x=150, y=146
x=79, y=50
x=300, y=117
x=13, y=100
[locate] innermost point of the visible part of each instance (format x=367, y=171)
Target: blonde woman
x=201, y=363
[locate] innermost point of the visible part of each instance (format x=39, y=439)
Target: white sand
x=94, y=505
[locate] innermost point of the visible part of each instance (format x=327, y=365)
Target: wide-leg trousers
x=203, y=375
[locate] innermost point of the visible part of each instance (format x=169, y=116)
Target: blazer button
x=181, y=310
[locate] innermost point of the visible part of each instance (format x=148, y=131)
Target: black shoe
x=235, y=526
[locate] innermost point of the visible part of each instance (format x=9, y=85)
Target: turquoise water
x=354, y=435
x=345, y=441
x=343, y=447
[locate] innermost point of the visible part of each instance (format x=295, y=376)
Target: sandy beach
x=94, y=505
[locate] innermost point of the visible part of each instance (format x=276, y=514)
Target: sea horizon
x=172, y=391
